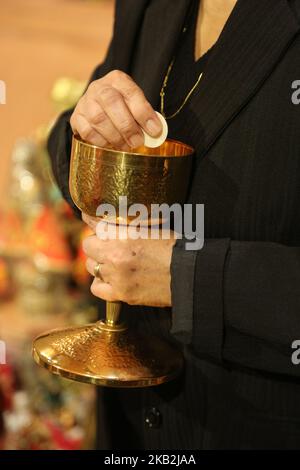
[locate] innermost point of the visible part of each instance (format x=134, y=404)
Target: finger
x=95, y=248
x=103, y=291
x=137, y=103
x=95, y=113
x=117, y=110
x=91, y=264
x=90, y=221
x=81, y=126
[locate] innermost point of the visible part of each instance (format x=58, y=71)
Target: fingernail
x=136, y=140
x=153, y=127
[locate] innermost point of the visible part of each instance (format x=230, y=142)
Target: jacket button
x=153, y=418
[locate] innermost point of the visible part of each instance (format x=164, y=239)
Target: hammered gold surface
x=117, y=358
x=107, y=353
x=149, y=176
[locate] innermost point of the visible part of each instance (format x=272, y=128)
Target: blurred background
x=48, y=50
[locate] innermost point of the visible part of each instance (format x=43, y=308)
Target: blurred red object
x=48, y=242
x=80, y=273
x=61, y=440
x=7, y=385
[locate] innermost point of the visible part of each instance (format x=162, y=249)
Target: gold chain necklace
x=165, y=84
x=163, y=93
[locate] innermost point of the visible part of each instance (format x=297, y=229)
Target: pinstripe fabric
x=239, y=389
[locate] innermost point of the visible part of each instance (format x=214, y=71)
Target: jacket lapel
x=254, y=39
x=128, y=22
x=162, y=25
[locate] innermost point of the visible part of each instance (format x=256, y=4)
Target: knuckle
x=93, y=86
x=73, y=120
x=133, y=91
x=129, y=88
x=108, y=95
x=75, y=115
x=121, y=261
x=117, y=74
x=115, y=258
x=99, y=253
x=127, y=126
x=143, y=110
x=97, y=115
x=85, y=131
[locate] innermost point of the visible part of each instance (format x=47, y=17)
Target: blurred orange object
x=11, y=234
x=5, y=284
x=47, y=243
x=80, y=273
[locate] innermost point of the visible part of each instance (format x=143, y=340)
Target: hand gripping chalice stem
x=108, y=352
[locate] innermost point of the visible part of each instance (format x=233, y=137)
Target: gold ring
x=97, y=272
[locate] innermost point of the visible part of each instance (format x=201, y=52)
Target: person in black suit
x=233, y=307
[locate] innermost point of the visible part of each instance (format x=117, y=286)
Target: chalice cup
x=109, y=353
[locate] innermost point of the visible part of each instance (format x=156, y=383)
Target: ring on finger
x=97, y=272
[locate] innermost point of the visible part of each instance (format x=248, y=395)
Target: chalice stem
x=113, y=310
x=109, y=353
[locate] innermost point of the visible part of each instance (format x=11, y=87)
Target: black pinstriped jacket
x=236, y=303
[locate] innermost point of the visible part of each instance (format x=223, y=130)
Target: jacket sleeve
x=240, y=303
x=60, y=138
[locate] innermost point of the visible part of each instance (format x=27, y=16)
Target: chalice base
x=109, y=356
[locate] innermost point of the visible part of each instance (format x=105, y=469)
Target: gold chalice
x=108, y=352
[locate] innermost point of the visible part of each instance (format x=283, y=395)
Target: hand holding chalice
x=108, y=352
